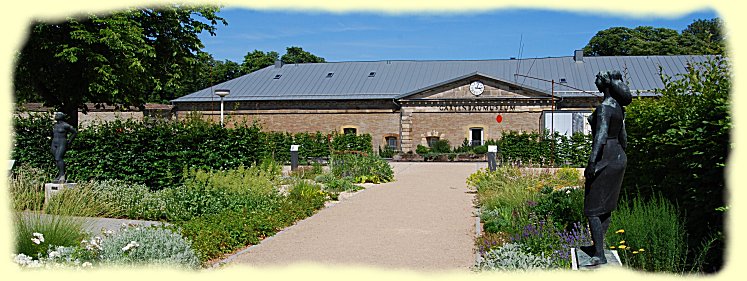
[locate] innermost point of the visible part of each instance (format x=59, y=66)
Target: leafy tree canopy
x=700, y=38
x=257, y=60
x=125, y=58
x=298, y=55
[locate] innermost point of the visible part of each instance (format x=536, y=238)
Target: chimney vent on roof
x=278, y=63
x=578, y=56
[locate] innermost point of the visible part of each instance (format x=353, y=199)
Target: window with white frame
x=476, y=136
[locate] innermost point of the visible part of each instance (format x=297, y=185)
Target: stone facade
x=448, y=111
x=378, y=123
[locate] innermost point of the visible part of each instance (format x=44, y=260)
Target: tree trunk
x=72, y=114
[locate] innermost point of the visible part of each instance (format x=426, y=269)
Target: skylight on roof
x=329, y=75
x=278, y=76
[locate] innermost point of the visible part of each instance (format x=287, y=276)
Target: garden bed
x=214, y=212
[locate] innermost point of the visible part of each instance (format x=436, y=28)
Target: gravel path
x=422, y=221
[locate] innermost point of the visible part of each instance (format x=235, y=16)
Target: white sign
x=10, y=164
x=492, y=148
x=294, y=147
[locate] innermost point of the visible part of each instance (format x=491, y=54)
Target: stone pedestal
x=579, y=259
x=50, y=189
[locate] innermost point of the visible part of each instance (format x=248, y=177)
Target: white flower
x=87, y=264
x=54, y=254
x=131, y=245
x=38, y=236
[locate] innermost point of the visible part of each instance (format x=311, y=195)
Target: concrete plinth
x=580, y=260
x=50, y=189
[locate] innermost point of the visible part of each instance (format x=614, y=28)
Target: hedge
x=156, y=153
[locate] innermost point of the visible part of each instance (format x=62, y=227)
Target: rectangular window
x=352, y=131
x=566, y=122
x=391, y=143
x=475, y=136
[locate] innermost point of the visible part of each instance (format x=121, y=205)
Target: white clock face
x=476, y=88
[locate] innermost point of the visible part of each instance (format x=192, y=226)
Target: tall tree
x=700, y=37
x=298, y=55
x=126, y=58
x=257, y=60
x=706, y=36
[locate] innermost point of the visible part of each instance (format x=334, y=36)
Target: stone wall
x=85, y=120
x=455, y=126
x=378, y=123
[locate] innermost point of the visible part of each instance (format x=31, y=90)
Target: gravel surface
x=423, y=221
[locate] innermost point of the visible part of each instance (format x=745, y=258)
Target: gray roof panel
x=395, y=79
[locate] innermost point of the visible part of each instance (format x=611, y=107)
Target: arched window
x=431, y=141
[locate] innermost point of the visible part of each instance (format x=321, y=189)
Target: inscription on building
x=477, y=108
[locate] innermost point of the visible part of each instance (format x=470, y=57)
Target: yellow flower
x=622, y=242
x=623, y=247
x=620, y=231
x=612, y=247
x=641, y=250
x=635, y=252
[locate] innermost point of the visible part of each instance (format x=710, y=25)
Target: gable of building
x=459, y=88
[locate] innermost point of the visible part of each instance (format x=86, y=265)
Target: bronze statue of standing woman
x=60, y=142
x=604, y=173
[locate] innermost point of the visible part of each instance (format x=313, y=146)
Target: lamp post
x=222, y=93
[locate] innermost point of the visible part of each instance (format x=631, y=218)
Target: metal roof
x=400, y=78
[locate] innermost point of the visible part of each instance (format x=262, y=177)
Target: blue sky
x=464, y=36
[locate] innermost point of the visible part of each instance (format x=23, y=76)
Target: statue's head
x=59, y=116
x=603, y=80
x=612, y=82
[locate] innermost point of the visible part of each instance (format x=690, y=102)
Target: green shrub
x=54, y=231
x=680, y=143
x=32, y=141
x=480, y=149
x=82, y=200
x=27, y=188
x=497, y=220
x=361, y=168
x=133, y=201
x=536, y=149
x=212, y=192
x=386, y=152
x=505, y=187
x=148, y=246
x=156, y=153
x=352, y=142
x=655, y=227
x=512, y=256
x=563, y=206
x=339, y=185
x=441, y=146
x=213, y=235
x=308, y=196
x=422, y=150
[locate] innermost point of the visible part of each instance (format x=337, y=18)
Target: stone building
x=101, y=113
x=403, y=104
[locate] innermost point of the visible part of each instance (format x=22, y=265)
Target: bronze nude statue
x=60, y=142
x=606, y=167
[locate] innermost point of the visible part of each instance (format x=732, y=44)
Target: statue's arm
x=623, y=137
x=73, y=133
x=600, y=138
